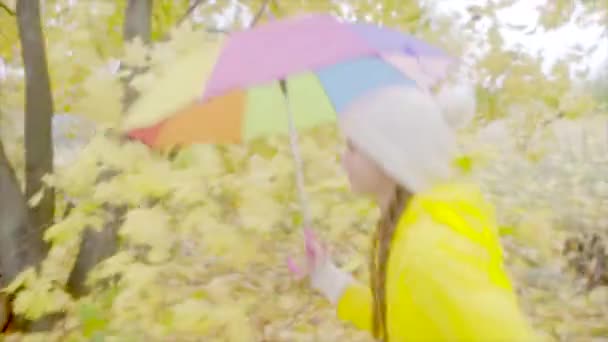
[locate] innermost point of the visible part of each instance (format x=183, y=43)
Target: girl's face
x=364, y=175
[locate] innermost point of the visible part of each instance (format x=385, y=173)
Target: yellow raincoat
x=445, y=276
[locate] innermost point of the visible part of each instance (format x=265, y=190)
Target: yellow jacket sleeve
x=355, y=306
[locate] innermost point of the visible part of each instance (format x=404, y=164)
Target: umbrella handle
x=298, y=162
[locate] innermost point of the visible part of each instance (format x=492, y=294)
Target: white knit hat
x=405, y=131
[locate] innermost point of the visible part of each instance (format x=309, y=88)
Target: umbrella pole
x=297, y=157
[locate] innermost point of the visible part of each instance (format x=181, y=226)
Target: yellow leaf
x=138, y=276
x=40, y=299
x=149, y=227
x=103, y=93
x=239, y=328
x=25, y=278
x=232, y=246
x=114, y=265
x=254, y=201
x=70, y=228
x=136, y=53
x=192, y=316
x=534, y=229
x=574, y=104
x=36, y=198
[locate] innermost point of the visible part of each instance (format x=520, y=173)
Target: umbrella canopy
x=176, y=85
x=326, y=64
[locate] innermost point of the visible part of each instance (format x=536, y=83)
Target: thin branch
x=7, y=9
x=261, y=11
x=198, y=3
x=189, y=12
x=217, y=30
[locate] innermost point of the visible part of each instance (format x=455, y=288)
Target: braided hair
x=381, y=242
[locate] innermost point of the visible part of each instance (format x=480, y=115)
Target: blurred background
x=134, y=245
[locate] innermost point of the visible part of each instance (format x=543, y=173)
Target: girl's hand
x=324, y=276
x=316, y=255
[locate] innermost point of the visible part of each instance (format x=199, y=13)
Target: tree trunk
x=38, y=144
x=137, y=24
x=38, y=112
x=97, y=246
x=138, y=20
x=21, y=244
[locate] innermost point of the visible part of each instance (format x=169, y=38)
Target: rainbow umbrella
x=294, y=73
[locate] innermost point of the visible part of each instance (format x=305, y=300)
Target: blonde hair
x=381, y=241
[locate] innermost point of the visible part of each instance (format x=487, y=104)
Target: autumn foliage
x=203, y=233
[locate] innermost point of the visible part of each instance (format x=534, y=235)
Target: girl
x=436, y=267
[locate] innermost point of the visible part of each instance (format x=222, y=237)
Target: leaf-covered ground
x=554, y=213
x=206, y=232
x=204, y=243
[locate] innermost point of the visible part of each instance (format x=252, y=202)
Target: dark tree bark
x=95, y=246
x=5, y=313
x=38, y=112
x=21, y=244
x=137, y=24
x=21, y=227
x=138, y=20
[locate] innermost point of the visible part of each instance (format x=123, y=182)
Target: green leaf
x=93, y=321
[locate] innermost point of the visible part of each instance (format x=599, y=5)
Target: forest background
x=102, y=239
